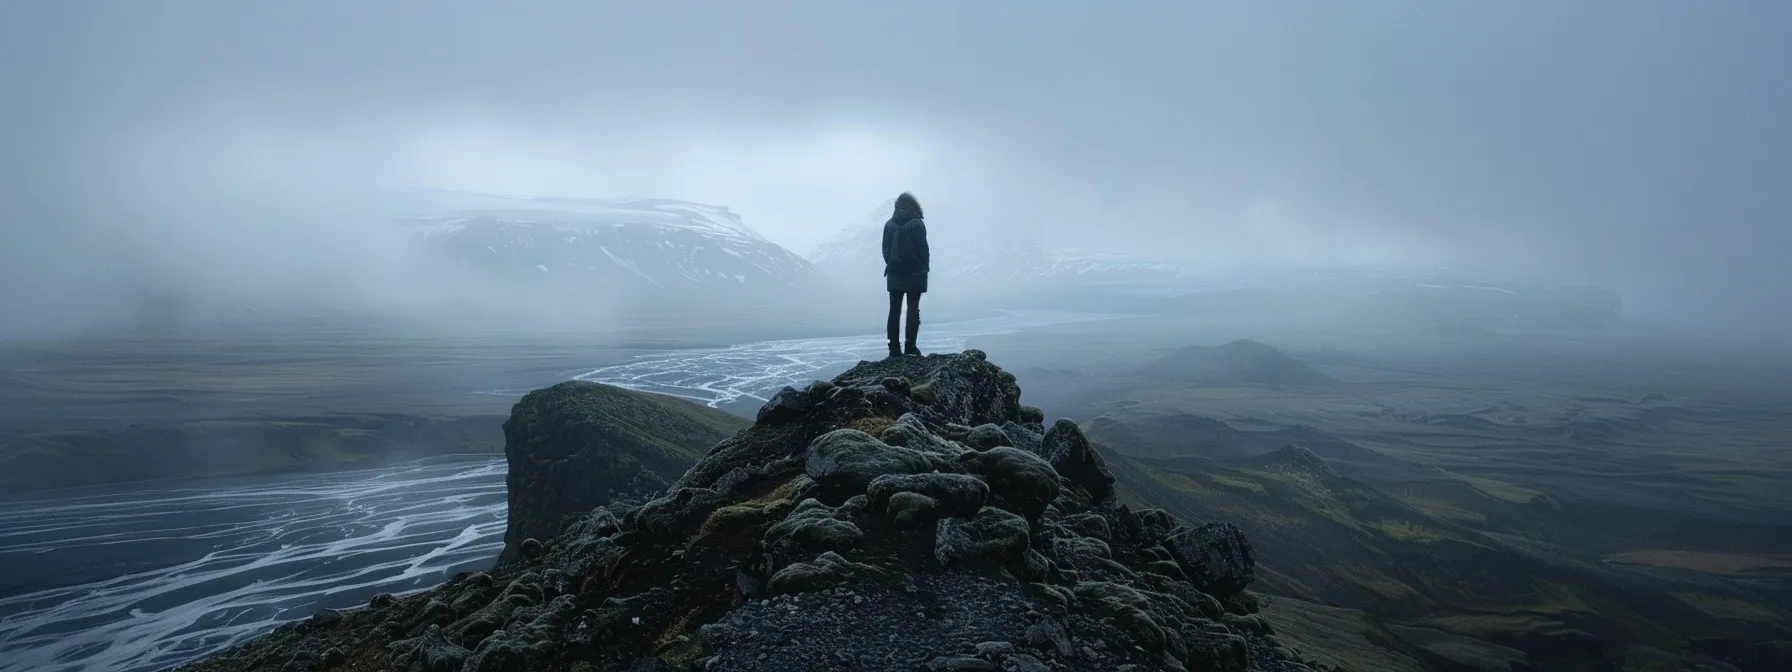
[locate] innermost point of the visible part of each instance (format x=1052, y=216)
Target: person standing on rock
x=905, y=271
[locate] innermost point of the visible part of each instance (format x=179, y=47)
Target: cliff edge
x=578, y=445
x=911, y=514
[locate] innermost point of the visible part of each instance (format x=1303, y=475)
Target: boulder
x=954, y=494
x=1021, y=436
x=1148, y=526
x=1214, y=556
x=825, y=571
x=1070, y=454
x=812, y=527
x=788, y=405
x=908, y=509
x=1018, y=480
x=987, y=436
x=845, y=461
x=992, y=537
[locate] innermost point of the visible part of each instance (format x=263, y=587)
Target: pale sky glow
x=796, y=187
x=1640, y=145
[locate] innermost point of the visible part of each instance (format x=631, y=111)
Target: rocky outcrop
x=578, y=445
x=910, y=514
x=1071, y=455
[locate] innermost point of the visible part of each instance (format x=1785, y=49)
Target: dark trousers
x=914, y=317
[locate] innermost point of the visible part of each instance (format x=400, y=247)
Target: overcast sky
x=1642, y=145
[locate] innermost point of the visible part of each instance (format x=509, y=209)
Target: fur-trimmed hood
x=907, y=208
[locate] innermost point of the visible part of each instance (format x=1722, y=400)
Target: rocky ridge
x=910, y=514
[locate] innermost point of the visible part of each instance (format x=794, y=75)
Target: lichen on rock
x=958, y=533
x=826, y=571
x=1214, y=556
x=1071, y=455
x=953, y=494
x=1019, y=481
x=992, y=537
x=813, y=527
x=845, y=461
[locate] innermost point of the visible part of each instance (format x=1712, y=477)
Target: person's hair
x=906, y=202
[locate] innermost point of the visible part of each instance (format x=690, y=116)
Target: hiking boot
x=895, y=350
x=911, y=349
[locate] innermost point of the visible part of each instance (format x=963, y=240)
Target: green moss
x=663, y=430
x=1240, y=483
x=1177, y=481
x=1407, y=531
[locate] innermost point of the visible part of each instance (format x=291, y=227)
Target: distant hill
x=1241, y=362
x=1439, y=571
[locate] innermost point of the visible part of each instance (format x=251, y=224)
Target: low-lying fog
x=206, y=161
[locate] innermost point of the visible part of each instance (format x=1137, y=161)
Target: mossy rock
x=813, y=527
x=825, y=571
x=960, y=495
x=845, y=461
x=993, y=537
x=1018, y=480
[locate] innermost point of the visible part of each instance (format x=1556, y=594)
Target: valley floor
x=187, y=404
x=1455, y=504
x=1563, y=499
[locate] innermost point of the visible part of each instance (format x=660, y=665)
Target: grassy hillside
x=1486, y=561
x=577, y=445
x=655, y=427
x=1473, y=516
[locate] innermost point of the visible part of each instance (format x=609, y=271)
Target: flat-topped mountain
x=579, y=445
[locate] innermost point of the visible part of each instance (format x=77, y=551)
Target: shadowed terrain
x=1475, y=510
x=1564, y=501
x=909, y=514
x=578, y=445
x=1240, y=362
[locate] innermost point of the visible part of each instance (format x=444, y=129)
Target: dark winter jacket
x=906, y=257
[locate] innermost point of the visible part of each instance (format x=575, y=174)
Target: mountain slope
x=645, y=247
x=1424, y=565
x=853, y=527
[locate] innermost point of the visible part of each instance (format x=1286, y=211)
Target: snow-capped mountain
x=641, y=246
